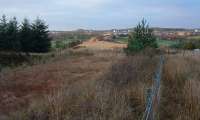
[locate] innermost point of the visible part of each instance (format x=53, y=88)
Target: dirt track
x=95, y=43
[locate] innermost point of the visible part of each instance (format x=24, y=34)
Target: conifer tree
x=141, y=38
x=3, y=29
x=26, y=38
x=25, y=34
x=40, y=37
x=12, y=43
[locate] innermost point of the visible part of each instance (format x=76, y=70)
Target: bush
x=141, y=38
x=189, y=46
x=179, y=45
x=74, y=43
x=59, y=44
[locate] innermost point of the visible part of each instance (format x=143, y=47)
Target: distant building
x=121, y=31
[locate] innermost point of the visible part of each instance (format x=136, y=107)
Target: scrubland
x=86, y=85
x=180, y=91
x=100, y=84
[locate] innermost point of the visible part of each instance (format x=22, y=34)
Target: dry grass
x=101, y=86
x=19, y=86
x=180, y=93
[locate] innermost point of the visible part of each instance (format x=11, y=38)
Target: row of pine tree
x=25, y=37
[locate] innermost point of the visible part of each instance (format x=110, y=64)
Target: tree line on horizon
x=25, y=37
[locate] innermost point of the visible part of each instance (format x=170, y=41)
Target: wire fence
x=153, y=94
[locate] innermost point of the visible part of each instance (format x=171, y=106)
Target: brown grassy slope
x=180, y=91
x=19, y=86
x=117, y=94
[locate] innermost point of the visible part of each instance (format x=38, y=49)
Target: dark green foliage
x=3, y=37
x=9, y=40
x=197, y=44
x=192, y=44
x=141, y=38
x=12, y=38
x=188, y=45
x=74, y=43
x=176, y=46
x=40, y=38
x=26, y=38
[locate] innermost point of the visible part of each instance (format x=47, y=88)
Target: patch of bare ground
x=180, y=91
x=95, y=43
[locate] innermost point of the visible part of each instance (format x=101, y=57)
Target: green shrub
x=141, y=38
x=189, y=46
x=60, y=44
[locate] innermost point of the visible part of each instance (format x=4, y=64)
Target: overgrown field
x=64, y=40
x=100, y=84
x=180, y=91
x=88, y=85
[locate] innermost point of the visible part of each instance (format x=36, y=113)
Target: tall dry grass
x=118, y=94
x=180, y=91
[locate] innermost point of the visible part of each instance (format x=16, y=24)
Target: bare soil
x=95, y=43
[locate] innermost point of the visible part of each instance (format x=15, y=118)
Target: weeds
x=180, y=91
x=118, y=94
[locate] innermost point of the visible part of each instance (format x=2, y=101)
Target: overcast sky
x=105, y=14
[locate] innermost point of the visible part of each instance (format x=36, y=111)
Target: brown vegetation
x=180, y=93
x=104, y=85
x=19, y=86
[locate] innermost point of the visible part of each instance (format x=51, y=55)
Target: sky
x=105, y=14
